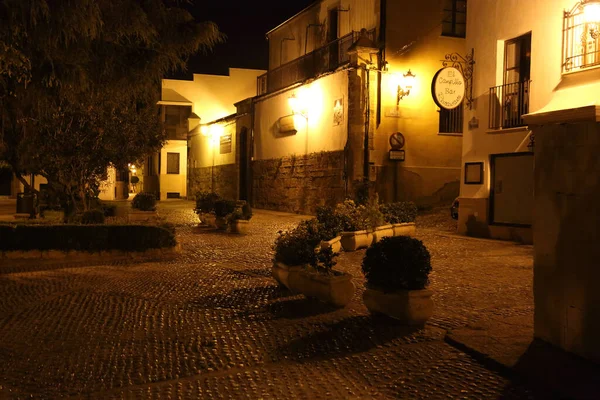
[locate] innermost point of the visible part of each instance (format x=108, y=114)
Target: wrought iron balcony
x=508, y=104
x=310, y=65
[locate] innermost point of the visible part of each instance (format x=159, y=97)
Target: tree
x=79, y=82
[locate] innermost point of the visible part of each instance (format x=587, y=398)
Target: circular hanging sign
x=448, y=88
x=396, y=141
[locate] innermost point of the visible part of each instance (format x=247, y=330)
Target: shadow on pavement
x=349, y=336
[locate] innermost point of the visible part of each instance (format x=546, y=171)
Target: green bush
x=90, y=238
x=397, y=263
x=297, y=246
x=242, y=211
x=144, y=202
x=92, y=217
x=205, y=202
x=371, y=213
x=351, y=216
x=331, y=222
x=224, y=207
x=400, y=212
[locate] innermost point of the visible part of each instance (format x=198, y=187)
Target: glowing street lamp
x=406, y=85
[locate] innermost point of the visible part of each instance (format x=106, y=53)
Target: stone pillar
x=566, y=234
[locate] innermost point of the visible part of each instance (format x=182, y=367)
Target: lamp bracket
x=465, y=64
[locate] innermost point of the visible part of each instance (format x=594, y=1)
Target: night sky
x=245, y=24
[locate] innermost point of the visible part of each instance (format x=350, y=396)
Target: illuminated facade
x=330, y=102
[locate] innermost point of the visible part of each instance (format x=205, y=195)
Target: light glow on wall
x=591, y=11
x=307, y=101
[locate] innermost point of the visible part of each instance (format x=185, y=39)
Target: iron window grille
x=455, y=18
x=508, y=104
x=580, y=41
x=451, y=121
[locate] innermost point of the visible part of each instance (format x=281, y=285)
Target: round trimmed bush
x=92, y=217
x=144, y=202
x=397, y=263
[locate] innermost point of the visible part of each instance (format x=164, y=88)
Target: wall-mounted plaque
x=448, y=88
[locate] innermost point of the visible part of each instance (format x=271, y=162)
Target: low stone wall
x=223, y=179
x=299, y=183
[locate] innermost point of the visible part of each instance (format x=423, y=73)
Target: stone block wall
x=223, y=179
x=299, y=183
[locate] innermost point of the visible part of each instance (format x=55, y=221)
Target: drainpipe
x=367, y=122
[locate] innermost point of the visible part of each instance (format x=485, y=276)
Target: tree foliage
x=79, y=82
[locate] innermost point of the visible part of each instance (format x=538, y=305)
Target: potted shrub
x=397, y=272
x=375, y=220
x=205, y=207
x=222, y=209
x=144, y=208
x=331, y=227
x=239, y=219
x=320, y=281
x=294, y=249
x=402, y=217
x=354, y=226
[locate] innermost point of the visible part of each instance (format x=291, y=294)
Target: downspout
x=367, y=122
x=250, y=172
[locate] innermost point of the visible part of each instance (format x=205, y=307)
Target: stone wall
x=223, y=179
x=299, y=184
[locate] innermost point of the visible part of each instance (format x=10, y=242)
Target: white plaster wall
x=173, y=182
x=214, y=96
x=489, y=24
x=205, y=150
x=316, y=133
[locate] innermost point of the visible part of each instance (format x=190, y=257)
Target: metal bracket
x=465, y=65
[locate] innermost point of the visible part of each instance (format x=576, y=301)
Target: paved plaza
x=212, y=323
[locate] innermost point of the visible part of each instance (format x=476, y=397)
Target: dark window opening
x=173, y=163
x=455, y=18
x=451, y=121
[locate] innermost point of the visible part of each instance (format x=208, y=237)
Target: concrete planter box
x=382, y=231
x=207, y=220
x=404, y=229
x=281, y=272
x=241, y=226
x=411, y=307
x=352, y=241
x=335, y=244
x=221, y=223
x=142, y=216
x=336, y=289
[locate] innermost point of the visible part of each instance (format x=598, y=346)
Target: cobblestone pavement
x=213, y=324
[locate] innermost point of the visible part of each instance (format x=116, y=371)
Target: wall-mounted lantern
x=296, y=106
x=591, y=14
x=406, y=85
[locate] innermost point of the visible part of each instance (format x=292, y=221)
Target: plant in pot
x=397, y=274
x=319, y=280
x=332, y=225
x=143, y=207
x=402, y=216
x=222, y=209
x=294, y=249
x=239, y=219
x=205, y=207
x=354, y=226
x=375, y=220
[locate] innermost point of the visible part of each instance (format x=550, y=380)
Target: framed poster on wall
x=474, y=173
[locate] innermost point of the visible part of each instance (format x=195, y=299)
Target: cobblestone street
x=212, y=323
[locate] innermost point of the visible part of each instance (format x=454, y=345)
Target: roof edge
x=293, y=17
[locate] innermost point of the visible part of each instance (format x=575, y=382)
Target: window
x=455, y=18
x=173, y=163
x=451, y=121
x=510, y=101
x=581, y=41
x=177, y=115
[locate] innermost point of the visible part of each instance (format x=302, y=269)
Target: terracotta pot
x=382, y=231
x=335, y=244
x=336, y=290
x=281, y=271
x=404, y=229
x=352, y=241
x=411, y=307
x=141, y=216
x=239, y=226
x=221, y=223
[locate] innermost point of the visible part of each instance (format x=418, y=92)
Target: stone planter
x=352, y=241
x=239, y=226
x=411, y=307
x=137, y=216
x=382, y=231
x=335, y=244
x=336, y=289
x=207, y=220
x=404, y=229
x=281, y=272
x=221, y=223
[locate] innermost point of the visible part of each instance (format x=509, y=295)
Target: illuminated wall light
x=405, y=86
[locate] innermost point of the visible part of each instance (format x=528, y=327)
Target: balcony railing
x=508, y=104
x=323, y=59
